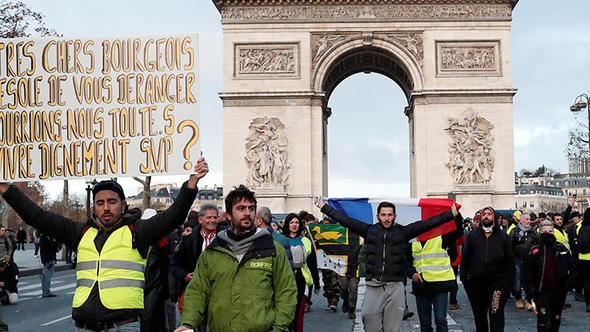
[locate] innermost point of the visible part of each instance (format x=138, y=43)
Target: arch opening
x=367, y=59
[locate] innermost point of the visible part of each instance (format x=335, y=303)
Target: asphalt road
x=34, y=313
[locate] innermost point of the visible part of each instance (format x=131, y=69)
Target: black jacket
x=522, y=241
x=386, y=248
x=488, y=260
x=70, y=232
x=186, y=254
x=10, y=277
x=533, y=269
x=48, y=247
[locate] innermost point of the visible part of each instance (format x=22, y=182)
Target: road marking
x=35, y=285
x=450, y=320
x=57, y=320
x=38, y=292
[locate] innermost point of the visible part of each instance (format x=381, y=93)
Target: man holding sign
x=112, y=248
x=386, y=244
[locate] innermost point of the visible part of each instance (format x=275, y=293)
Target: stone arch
x=283, y=59
x=381, y=56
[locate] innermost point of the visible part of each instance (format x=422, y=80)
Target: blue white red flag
x=408, y=210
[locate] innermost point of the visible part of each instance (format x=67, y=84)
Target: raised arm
x=47, y=222
x=418, y=227
x=358, y=227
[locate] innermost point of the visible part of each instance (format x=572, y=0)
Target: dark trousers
x=349, y=291
x=549, y=306
x=487, y=299
x=585, y=267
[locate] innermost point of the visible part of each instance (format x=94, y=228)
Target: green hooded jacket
x=256, y=294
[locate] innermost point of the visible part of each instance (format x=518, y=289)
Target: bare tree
x=18, y=20
x=147, y=193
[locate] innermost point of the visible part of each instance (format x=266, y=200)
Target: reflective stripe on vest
x=118, y=269
x=432, y=261
x=510, y=228
x=581, y=256
x=562, y=238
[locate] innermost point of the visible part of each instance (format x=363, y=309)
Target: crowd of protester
x=242, y=269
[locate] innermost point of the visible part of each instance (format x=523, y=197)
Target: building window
x=524, y=204
x=532, y=204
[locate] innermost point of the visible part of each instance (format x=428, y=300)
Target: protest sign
x=81, y=108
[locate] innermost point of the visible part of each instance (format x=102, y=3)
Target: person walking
x=243, y=280
x=433, y=277
x=386, y=242
x=523, y=236
x=487, y=269
x=49, y=248
x=36, y=238
x=112, y=247
x=293, y=228
x=547, y=272
x=21, y=238
x=583, y=245
x=185, y=256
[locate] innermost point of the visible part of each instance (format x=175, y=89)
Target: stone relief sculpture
x=321, y=43
x=359, y=13
x=266, y=59
x=266, y=154
x=470, y=158
x=412, y=42
x=468, y=58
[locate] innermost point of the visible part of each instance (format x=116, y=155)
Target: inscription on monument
x=470, y=150
x=270, y=60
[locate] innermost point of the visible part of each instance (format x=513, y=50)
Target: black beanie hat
x=108, y=185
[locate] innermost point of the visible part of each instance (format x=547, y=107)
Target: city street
x=53, y=314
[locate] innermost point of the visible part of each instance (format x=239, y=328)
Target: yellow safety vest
x=511, y=227
x=118, y=269
x=581, y=256
x=432, y=261
x=562, y=238
x=305, y=269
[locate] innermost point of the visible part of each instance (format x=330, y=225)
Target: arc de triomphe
x=283, y=59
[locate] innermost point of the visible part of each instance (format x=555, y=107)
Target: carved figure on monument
x=322, y=44
x=468, y=58
x=412, y=42
x=257, y=60
x=266, y=154
x=470, y=158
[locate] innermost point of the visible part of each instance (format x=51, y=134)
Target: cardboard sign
x=82, y=108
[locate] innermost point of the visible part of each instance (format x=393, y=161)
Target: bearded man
x=487, y=269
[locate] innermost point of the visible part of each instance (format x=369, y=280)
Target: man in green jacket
x=243, y=280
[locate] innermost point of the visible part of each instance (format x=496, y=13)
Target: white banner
x=82, y=108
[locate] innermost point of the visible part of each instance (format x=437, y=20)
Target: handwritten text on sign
x=98, y=107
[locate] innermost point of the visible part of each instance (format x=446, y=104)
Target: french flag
x=407, y=210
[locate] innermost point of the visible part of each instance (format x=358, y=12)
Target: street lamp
x=582, y=102
x=89, y=186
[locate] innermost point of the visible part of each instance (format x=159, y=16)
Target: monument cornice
x=278, y=98
x=334, y=11
x=223, y=3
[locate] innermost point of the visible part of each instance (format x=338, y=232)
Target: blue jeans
x=516, y=287
x=129, y=327
x=426, y=304
x=46, y=277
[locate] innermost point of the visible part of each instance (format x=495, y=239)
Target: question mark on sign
x=192, y=141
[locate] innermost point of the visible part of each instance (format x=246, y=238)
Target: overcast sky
x=550, y=62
